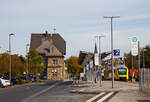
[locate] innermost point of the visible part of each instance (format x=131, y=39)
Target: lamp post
x=100, y=62
x=0, y=47
x=10, y=56
x=112, y=54
x=27, y=61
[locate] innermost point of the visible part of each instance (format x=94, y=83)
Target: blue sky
x=77, y=21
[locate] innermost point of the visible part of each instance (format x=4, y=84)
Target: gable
x=48, y=49
x=58, y=41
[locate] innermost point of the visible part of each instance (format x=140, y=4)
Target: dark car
x=14, y=81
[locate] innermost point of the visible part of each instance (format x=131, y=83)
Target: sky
x=77, y=21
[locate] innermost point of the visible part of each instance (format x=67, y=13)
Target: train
x=121, y=72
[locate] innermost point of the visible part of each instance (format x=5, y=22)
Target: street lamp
x=100, y=62
x=27, y=61
x=10, y=56
x=112, y=54
x=0, y=47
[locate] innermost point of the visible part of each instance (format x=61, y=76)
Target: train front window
x=122, y=71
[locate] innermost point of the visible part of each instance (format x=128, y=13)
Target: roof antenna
x=54, y=29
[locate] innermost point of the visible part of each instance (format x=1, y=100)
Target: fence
x=144, y=82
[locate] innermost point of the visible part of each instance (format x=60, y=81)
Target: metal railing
x=144, y=81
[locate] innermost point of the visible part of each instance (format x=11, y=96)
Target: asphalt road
x=51, y=91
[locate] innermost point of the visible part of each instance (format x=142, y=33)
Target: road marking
x=95, y=97
x=40, y=92
x=105, y=97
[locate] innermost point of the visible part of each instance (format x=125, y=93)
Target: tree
x=128, y=58
x=35, y=62
x=147, y=56
x=73, y=66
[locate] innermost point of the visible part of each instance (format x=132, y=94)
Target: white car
x=4, y=82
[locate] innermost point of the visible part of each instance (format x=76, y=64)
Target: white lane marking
x=95, y=97
x=40, y=92
x=105, y=97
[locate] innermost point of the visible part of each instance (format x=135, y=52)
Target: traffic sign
x=134, y=46
x=116, y=52
x=96, y=59
x=91, y=64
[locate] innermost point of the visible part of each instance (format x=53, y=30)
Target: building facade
x=52, y=47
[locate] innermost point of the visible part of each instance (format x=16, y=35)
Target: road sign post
x=134, y=49
x=134, y=46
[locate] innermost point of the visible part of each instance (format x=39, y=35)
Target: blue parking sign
x=116, y=52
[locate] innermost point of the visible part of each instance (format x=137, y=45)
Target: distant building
x=52, y=47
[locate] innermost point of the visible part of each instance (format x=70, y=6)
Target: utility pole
x=112, y=54
x=27, y=61
x=139, y=69
x=0, y=47
x=100, y=62
x=10, y=56
x=143, y=58
x=54, y=29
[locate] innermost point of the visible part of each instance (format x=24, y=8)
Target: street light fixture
x=27, y=61
x=10, y=56
x=112, y=54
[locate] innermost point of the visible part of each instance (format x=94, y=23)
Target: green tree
x=36, y=62
x=147, y=56
x=128, y=58
x=73, y=66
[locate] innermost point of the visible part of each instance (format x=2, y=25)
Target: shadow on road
x=143, y=100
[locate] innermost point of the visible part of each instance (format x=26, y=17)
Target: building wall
x=51, y=75
x=59, y=59
x=55, y=70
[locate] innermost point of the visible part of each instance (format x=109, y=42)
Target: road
x=51, y=91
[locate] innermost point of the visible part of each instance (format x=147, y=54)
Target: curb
x=83, y=92
x=80, y=85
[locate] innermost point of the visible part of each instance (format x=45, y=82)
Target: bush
x=20, y=81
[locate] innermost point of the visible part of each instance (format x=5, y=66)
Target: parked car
x=4, y=82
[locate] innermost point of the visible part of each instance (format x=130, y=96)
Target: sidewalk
x=127, y=91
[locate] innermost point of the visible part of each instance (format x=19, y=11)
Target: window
x=55, y=61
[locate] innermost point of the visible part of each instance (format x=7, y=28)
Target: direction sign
x=91, y=64
x=116, y=52
x=134, y=46
x=96, y=59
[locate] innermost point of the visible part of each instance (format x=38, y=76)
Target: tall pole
x=139, y=69
x=100, y=62
x=27, y=61
x=132, y=64
x=0, y=47
x=10, y=56
x=143, y=59
x=112, y=52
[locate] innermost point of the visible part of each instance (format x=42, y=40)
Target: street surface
x=51, y=91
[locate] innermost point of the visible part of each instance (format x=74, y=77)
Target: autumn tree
x=73, y=66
